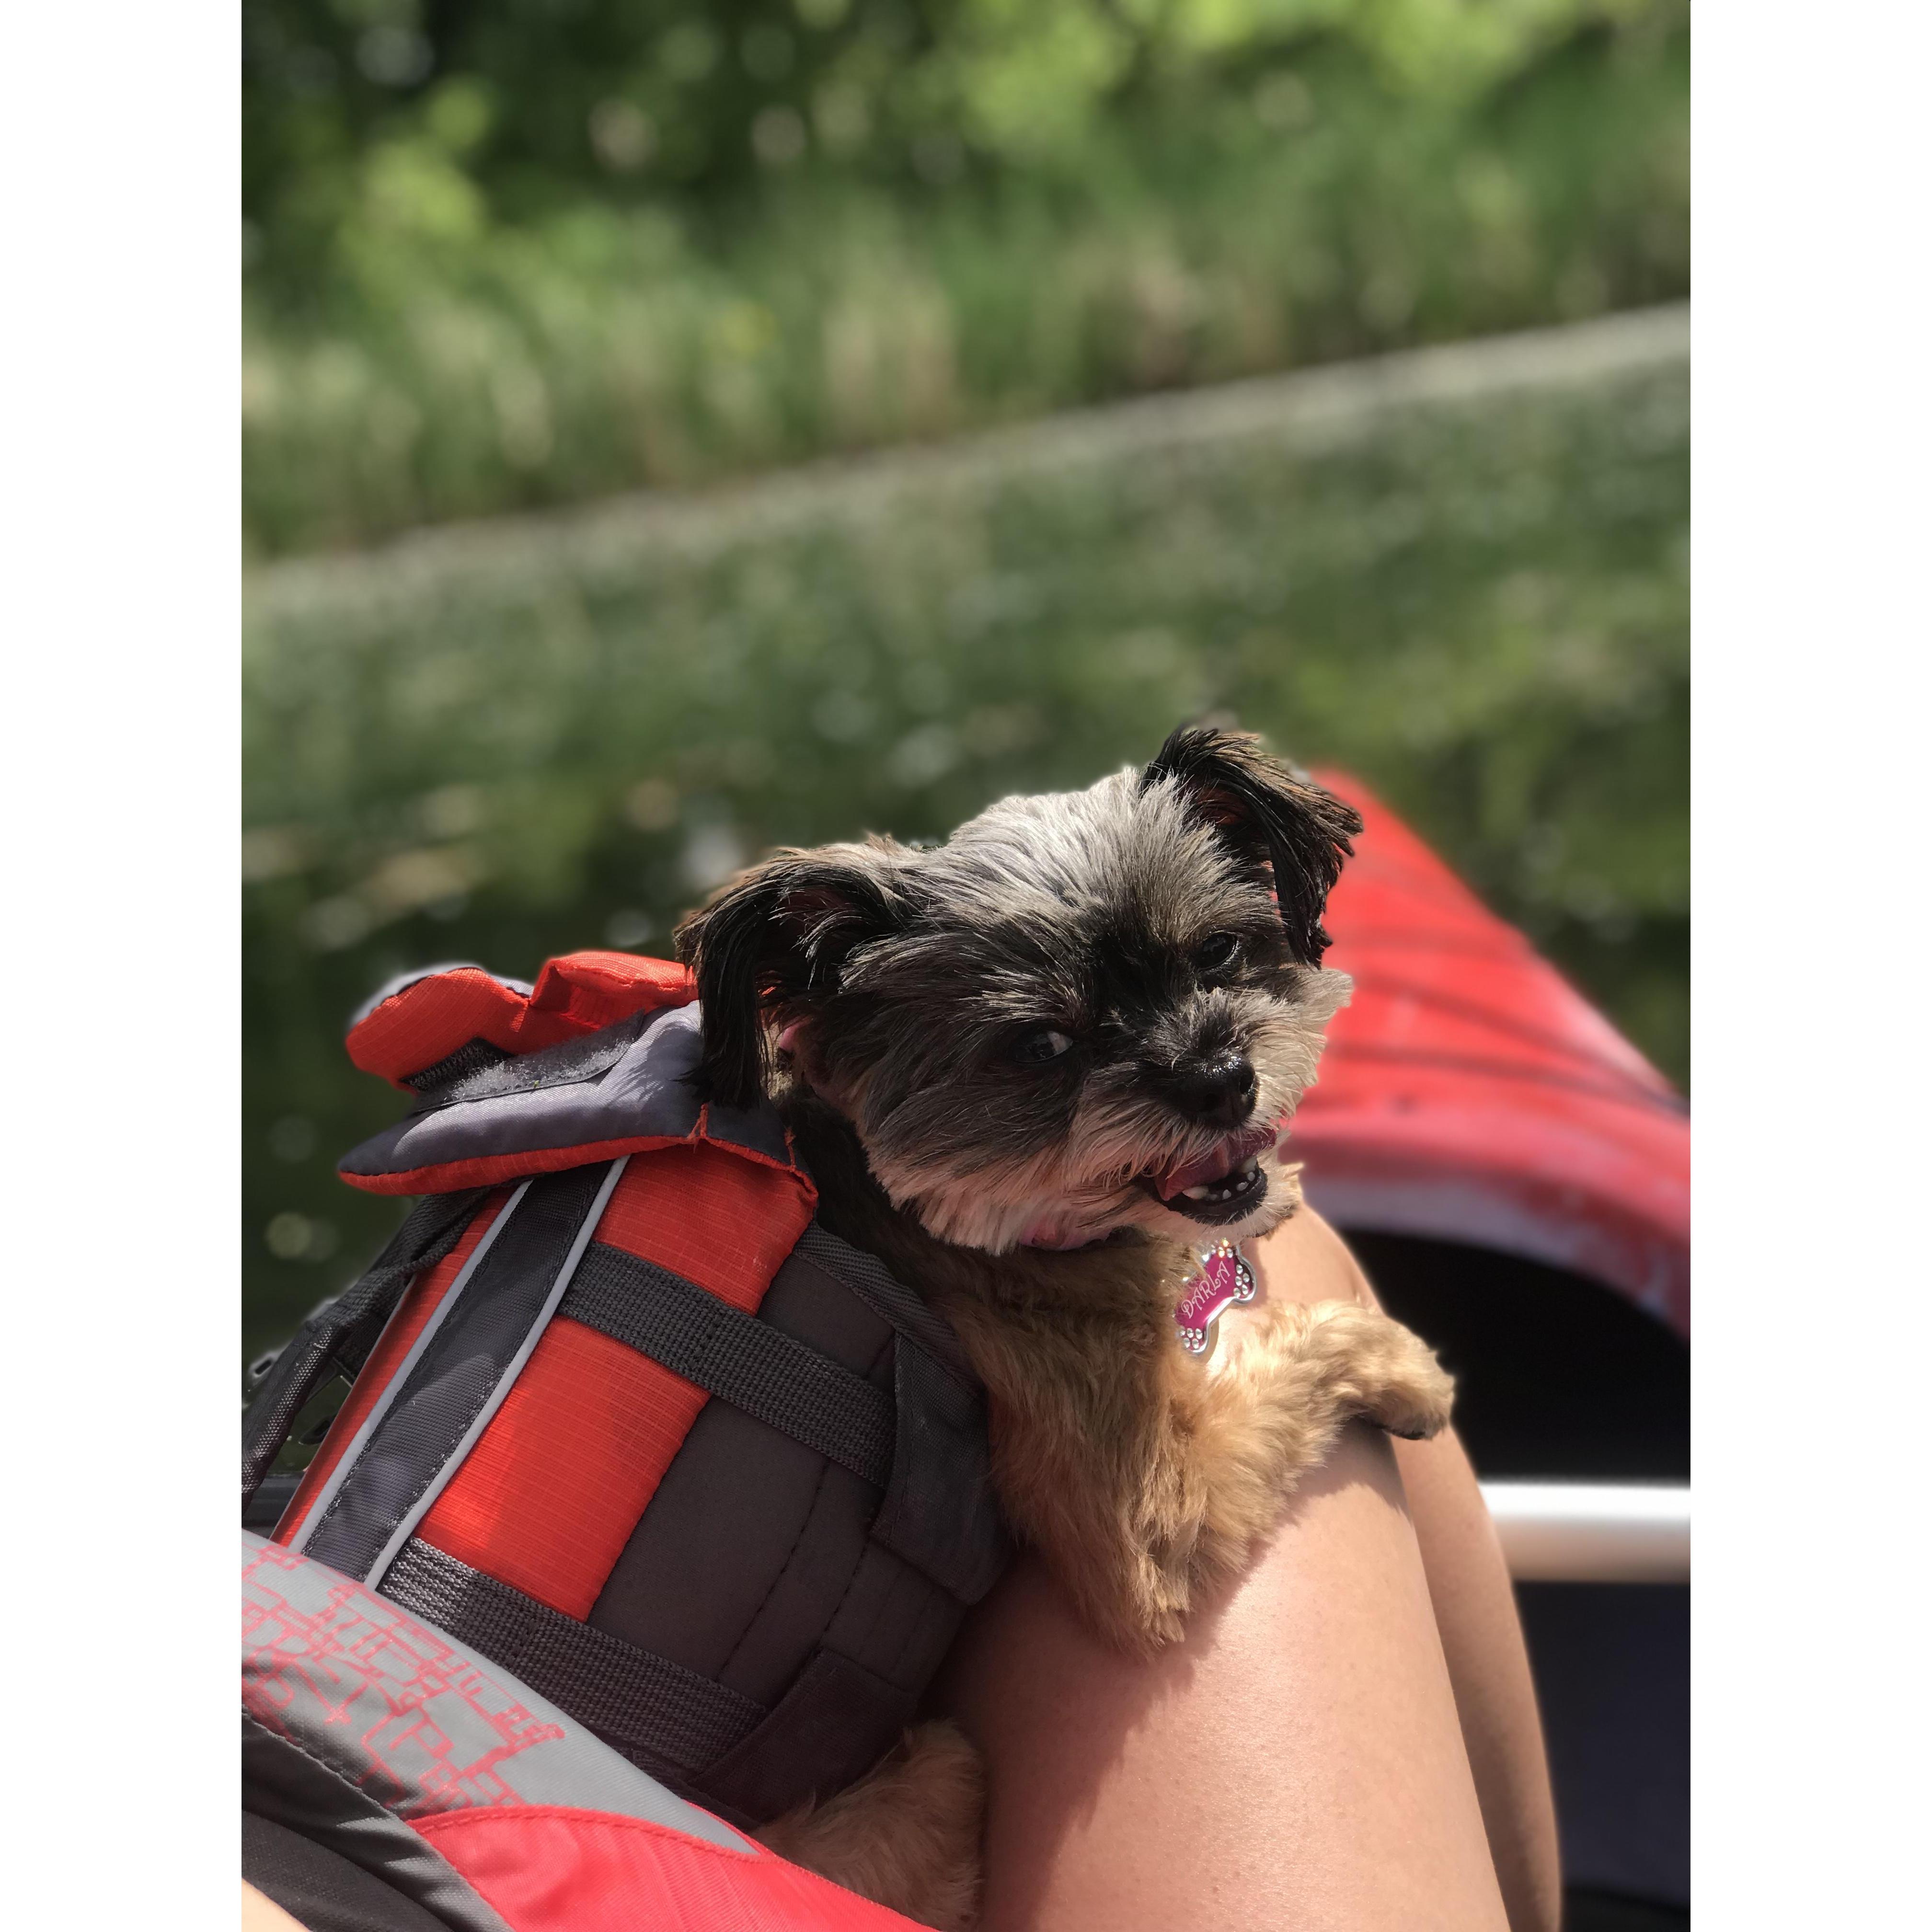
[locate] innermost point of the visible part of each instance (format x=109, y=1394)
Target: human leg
x=1296, y=1760
x=1474, y=1604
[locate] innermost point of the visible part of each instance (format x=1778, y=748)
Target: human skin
x=1489, y=1672
x=1346, y=1739
x=260, y=1913
x=1474, y=1606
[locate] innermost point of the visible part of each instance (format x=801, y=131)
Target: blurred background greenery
x=533, y=252
x=519, y=252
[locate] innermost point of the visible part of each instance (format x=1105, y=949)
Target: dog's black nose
x=1219, y=1092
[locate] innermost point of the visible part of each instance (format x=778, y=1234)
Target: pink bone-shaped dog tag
x=1225, y=1280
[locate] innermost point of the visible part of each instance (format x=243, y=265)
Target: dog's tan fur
x=907, y=1835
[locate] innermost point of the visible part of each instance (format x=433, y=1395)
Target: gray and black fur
x=1165, y=925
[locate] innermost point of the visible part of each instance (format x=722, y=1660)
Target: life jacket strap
x=669, y=1720
x=888, y=1297
x=749, y=1363
x=338, y=1337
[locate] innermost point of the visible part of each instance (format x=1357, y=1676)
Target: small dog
x=1036, y=1070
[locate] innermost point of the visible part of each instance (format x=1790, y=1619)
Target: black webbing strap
x=940, y=1513
x=869, y=1279
x=649, y=1707
x=754, y=1367
x=459, y=1376
x=338, y=1337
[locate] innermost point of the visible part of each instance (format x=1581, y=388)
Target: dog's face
x=1086, y=1011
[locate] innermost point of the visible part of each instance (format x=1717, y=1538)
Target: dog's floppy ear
x=1269, y=811
x=772, y=942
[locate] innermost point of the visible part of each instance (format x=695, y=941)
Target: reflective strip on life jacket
x=460, y=1371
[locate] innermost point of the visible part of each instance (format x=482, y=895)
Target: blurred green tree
x=533, y=251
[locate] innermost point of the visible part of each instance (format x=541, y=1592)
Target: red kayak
x=1468, y=1094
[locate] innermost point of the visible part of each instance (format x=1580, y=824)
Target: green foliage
x=540, y=251
x=521, y=743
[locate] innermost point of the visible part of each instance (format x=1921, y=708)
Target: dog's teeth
x=1210, y=1193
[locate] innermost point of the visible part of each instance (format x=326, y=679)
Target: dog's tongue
x=1215, y=1166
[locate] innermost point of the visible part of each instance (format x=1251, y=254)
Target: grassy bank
x=466, y=333
x=501, y=744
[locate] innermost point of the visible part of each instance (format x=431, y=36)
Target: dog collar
x=1225, y=1280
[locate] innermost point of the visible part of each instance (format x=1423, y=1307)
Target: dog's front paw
x=1353, y=1361
x=1409, y=1393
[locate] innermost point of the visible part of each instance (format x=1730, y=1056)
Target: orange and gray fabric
x=393, y=1778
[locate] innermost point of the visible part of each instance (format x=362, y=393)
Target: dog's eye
x=1216, y=951
x=1043, y=1044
